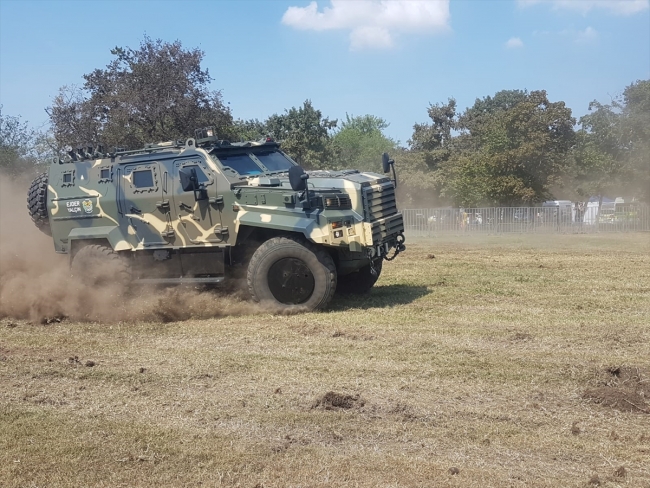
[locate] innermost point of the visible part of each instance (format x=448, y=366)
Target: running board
x=178, y=281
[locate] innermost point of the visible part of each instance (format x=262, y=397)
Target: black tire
x=37, y=203
x=291, y=274
x=360, y=281
x=99, y=265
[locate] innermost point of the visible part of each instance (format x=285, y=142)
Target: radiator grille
x=386, y=229
x=379, y=201
x=380, y=209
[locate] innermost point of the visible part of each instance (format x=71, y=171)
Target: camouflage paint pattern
x=136, y=202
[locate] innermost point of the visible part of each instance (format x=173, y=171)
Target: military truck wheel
x=37, y=203
x=360, y=281
x=291, y=274
x=99, y=265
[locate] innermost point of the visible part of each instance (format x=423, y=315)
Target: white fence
x=495, y=220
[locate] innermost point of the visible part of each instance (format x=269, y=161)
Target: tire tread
x=323, y=257
x=37, y=203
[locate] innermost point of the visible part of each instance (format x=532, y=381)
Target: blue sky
x=389, y=59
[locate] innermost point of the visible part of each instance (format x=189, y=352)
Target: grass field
x=493, y=361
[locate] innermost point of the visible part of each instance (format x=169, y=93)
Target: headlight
x=338, y=202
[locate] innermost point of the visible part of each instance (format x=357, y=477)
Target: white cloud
x=619, y=7
x=370, y=37
x=514, y=43
x=586, y=36
x=372, y=23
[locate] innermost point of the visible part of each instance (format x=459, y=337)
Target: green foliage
x=636, y=135
x=417, y=185
x=612, y=154
x=155, y=93
x=248, y=130
x=18, y=146
x=360, y=143
x=436, y=138
x=504, y=150
x=526, y=146
x=304, y=134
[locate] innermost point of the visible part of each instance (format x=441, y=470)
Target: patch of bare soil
x=624, y=388
x=337, y=401
x=521, y=337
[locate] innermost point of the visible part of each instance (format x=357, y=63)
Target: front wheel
x=291, y=274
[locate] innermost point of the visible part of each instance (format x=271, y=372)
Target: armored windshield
x=274, y=161
x=253, y=162
x=242, y=163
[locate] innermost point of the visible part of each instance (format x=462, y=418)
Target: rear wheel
x=99, y=265
x=37, y=203
x=360, y=281
x=291, y=274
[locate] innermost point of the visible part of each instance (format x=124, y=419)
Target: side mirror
x=386, y=162
x=190, y=182
x=388, y=165
x=298, y=178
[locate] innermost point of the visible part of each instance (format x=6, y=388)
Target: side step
x=178, y=281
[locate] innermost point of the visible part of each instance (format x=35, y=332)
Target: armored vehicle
x=205, y=210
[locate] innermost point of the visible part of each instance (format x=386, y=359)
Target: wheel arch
x=107, y=236
x=293, y=224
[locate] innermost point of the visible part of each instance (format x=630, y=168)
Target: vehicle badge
x=87, y=205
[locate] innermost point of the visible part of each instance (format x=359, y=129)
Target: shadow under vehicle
x=204, y=210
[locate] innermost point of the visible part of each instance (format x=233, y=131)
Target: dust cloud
x=36, y=283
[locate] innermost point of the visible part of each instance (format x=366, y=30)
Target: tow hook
x=398, y=248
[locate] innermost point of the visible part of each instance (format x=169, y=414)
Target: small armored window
x=105, y=174
x=67, y=178
x=143, y=178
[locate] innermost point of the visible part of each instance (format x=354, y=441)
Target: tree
x=509, y=149
x=17, y=145
x=636, y=134
x=418, y=185
x=248, y=130
x=304, y=133
x=360, y=142
x=612, y=154
x=436, y=139
x=525, y=145
x=597, y=161
x=155, y=93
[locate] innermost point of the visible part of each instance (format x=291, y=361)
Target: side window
x=143, y=178
x=204, y=173
x=199, y=173
x=105, y=174
x=68, y=178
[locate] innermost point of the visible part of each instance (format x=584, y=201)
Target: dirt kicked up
x=36, y=283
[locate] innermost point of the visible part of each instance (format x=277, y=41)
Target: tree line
x=511, y=149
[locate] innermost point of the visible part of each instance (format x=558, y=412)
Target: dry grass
x=499, y=361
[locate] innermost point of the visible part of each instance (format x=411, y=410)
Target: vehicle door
x=197, y=210
x=141, y=204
